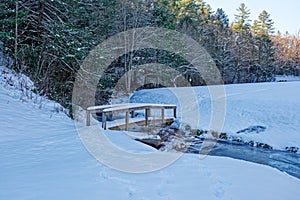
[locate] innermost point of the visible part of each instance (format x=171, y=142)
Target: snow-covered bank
x=21, y=88
x=286, y=78
x=273, y=106
x=42, y=157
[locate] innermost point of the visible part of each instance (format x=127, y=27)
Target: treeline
x=49, y=40
x=287, y=53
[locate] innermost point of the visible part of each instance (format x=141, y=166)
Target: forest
x=48, y=40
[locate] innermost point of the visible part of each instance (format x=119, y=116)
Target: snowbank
x=20, y=87
x=286, y=78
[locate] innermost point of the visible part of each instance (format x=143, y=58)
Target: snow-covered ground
x=287, y=78
x=42, y=157
x=274, y=107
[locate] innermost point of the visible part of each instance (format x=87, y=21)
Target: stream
x=284, y=161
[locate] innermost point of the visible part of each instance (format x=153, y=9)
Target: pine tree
x=264, y=53
x=263, y=27
x=242, y=45
x=242, y=22
x=162, y=17
x=222, y=51
x=221, y=18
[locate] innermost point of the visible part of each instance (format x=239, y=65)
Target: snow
x=42, y=157
x=21, y=88
x=287, y=78
x=275, y=106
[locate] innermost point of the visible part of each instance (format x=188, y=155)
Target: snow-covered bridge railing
x=127, y=109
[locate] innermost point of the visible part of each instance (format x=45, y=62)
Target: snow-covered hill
x=42, y=157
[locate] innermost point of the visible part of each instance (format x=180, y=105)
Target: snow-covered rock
x=175, y=124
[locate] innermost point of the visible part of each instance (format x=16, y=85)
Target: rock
x=156, y=143
x=187, y=128
x=292, y=149
x=164, y=135
x=171, y=131
x=179, y=145
x=253, y=129
x=175, y=125
x=180, y=133
x=189, y=139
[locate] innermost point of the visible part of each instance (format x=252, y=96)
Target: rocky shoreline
x=180, y=137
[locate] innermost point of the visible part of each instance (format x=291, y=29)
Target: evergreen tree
x=221, y=18
x=264, y=53
x=162, y=17
x=221, y=47
x=242, y=22
x=263, y=27
x=243, y=45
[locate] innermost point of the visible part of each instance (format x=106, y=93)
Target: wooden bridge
x=128, y=108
